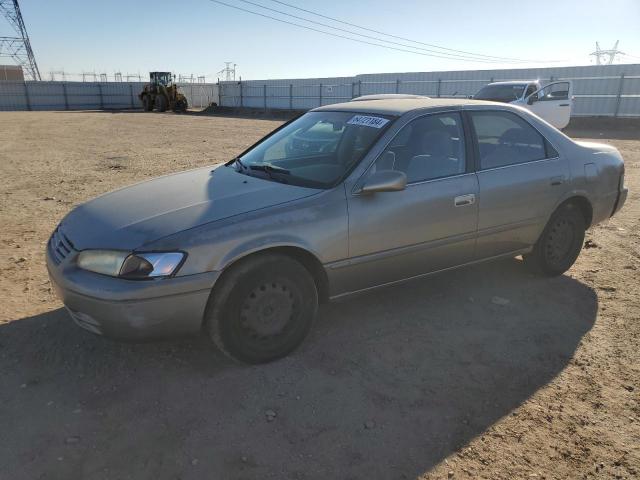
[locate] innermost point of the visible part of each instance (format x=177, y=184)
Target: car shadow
x=606, y=128
x=387, y=386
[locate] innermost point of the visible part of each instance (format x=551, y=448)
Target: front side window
x=316, y=150
x=500, y=93
x=530, y=89
x=554, y=91
x=427, y=148
x=506, y=139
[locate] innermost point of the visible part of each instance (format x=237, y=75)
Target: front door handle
x=464, y=200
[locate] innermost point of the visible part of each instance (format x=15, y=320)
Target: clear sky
x=197, y=36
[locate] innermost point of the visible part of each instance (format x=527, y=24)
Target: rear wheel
x=147, y=103
x=263, y=308
x=161, y=103
x=560, y=243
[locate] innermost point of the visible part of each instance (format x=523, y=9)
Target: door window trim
x=469, y=152
x=476, y=144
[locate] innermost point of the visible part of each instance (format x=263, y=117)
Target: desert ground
x=429, y=379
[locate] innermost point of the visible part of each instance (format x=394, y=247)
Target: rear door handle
x=464, y=200
x=555, y=181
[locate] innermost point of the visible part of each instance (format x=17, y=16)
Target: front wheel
x=180, y=106
x=263, y=308
x=558, y=247
x=147, y=103
x=161, y=103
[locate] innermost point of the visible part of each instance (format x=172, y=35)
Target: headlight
x=107, y=262
x=129, y=265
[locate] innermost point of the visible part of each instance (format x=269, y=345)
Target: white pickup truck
x=551, y=102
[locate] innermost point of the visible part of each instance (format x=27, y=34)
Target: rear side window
x=506, y=139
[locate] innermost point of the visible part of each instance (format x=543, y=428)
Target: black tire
x=560, y=243
x=262, y=309
x=161, y=103
x=180, y=106
x=147, y=104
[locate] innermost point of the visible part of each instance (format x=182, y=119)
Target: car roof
x=515, y=82
x=399, y=106
x=386, y=96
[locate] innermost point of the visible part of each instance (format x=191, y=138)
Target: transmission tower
x=601, y=55
x=18, y=48
x=228, y=72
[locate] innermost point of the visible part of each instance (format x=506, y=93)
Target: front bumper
x=129, y=309
x=622, y=197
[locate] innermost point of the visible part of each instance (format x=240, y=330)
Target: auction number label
x=367, y=121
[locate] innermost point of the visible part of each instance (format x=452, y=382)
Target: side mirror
x=385, y=181
x=532, y=99
x=470, y=97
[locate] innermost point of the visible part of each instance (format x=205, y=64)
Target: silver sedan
x=343, y=199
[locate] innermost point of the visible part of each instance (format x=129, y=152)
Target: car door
x=552, y=103
x=428, y=226
x=521, y=179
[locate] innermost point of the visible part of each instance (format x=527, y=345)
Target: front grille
x=60, y=247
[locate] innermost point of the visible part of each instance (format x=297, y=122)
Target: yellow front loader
x=162, y=94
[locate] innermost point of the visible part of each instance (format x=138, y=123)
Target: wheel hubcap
x=267, y=311
x=559, y=241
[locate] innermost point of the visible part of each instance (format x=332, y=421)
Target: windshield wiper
x=239, y=162
x=269, y=168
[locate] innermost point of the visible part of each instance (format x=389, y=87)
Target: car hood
x=133, y=216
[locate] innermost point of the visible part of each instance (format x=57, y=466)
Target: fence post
x=131, y=95
x=320, y=95
x=439, y=84
x=264, y=95
x=291, y=96
x=101, y=97
x=26, y=96
x=241, y=95
x=66, y=97
x=619, y=97
x=353, y=89
x=359, y=88
x=398, y=85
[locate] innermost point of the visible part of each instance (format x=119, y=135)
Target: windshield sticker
x=366, y=121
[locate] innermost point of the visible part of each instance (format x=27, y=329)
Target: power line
x=342, y=36
x=453, y=55
x=401, y=38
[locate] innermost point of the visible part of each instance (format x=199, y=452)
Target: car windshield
x=316, y=150
x=500, y=93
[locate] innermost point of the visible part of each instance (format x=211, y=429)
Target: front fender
x=256, y=245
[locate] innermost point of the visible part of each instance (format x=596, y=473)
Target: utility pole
x=18, y=48
x=228, y=72
x=601, y=55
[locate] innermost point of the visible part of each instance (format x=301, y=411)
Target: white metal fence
x=90, y=95
x=599, y=90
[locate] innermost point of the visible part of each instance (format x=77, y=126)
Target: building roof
x=11, y=73
x=399, y=106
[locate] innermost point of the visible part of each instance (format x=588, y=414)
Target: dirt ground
x=425, y=380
